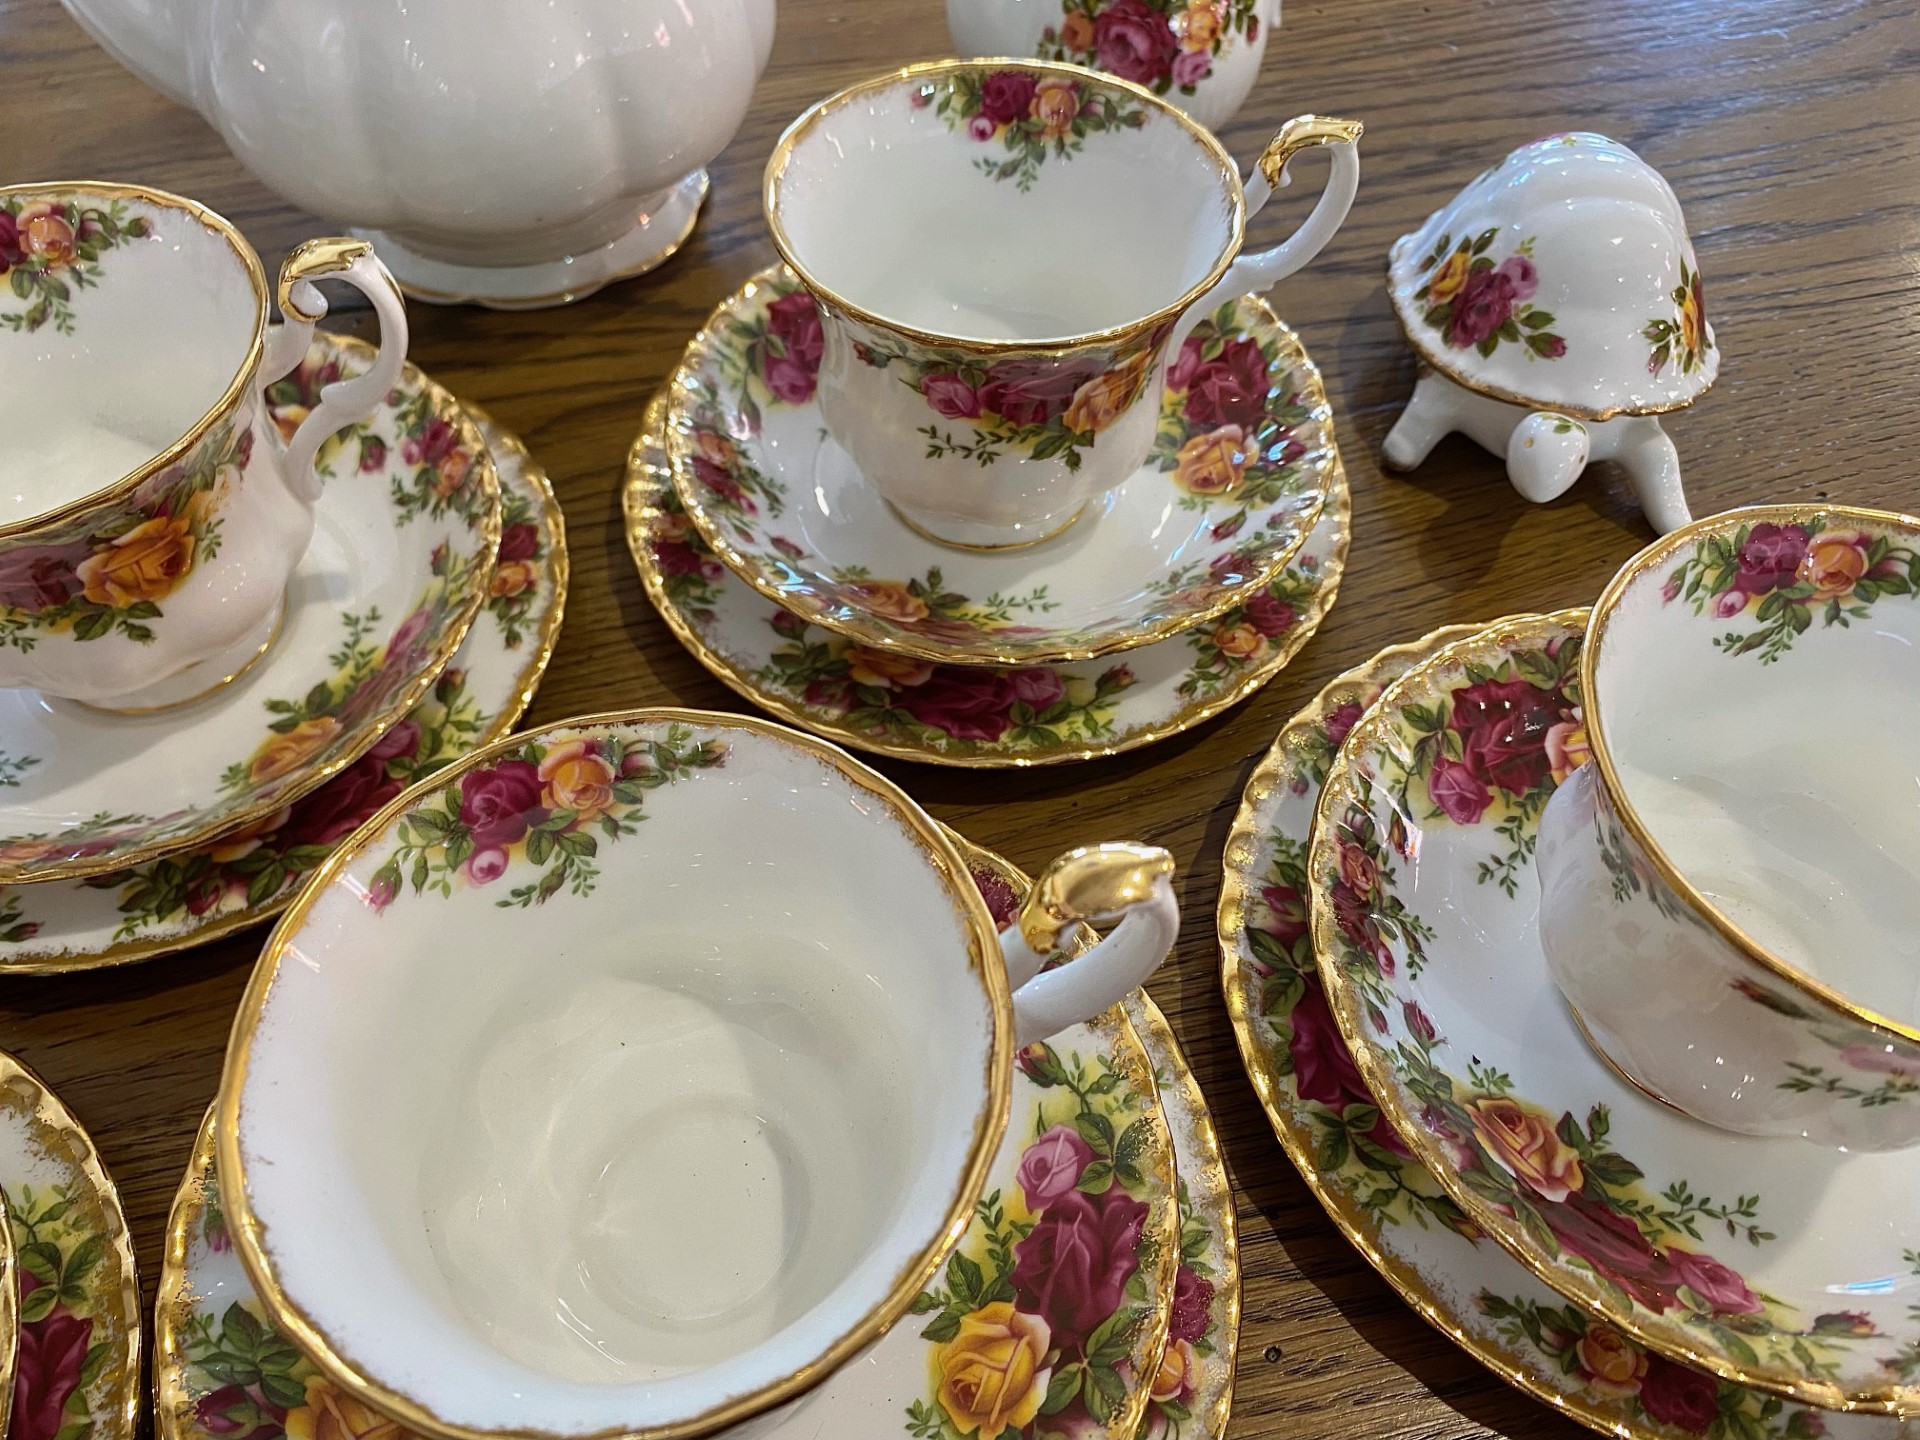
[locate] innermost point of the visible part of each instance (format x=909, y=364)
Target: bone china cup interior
x=1001, y=251
x=634, y=1073
x=150, y=513
x=1732, y=891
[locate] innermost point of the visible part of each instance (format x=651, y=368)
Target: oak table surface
x=1792, y=134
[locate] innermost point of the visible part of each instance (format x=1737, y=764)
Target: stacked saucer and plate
x=319, y=578
x=1572, y=960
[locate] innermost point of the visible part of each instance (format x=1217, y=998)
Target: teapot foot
x=655, y=235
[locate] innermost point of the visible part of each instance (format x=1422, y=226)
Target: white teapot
x=510, y=154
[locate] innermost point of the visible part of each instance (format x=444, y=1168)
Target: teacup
x=1731, y=888
x=151, y=515
x=634, y=1073
x=1004, y=255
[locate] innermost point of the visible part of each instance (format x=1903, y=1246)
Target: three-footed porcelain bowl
x=1731, y=889
x=1556, y=305
x=631, y=1075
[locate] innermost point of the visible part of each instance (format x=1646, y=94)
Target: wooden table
x=1792, y=134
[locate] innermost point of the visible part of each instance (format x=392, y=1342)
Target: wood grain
x=1790, y=131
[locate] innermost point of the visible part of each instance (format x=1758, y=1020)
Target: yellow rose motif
x=330, y=1415
x=512, y=577
x=1613, y=1364
x=1238, y=641
x=1211, y=464
x=1448, y=279
x=1692, y=316
x=885, y=669
x=286, y=419
x=1835, y=561
x=46, y=235
x=146, y=563
x=1567, y=749
x=890, y=600
x=1176, y=1372
x=991, y=1378
x=1055, y=104
x=1523, y=1142
x=283, y=754
x=1199, y=25
x=577, y=778
x=449, y=471
x=1076, y=31
x=711, y=445
x=1105, y=398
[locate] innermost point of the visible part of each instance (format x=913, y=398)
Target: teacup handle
x=1251, y=273
x=1094, y=884
x=302, y=306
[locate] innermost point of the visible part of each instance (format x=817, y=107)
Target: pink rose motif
x=1679, y=1396
x=1269, y=616
x=408, y=632
x=1031, y=392
x=1484, y=304
x=47, y=1365
x=1729, y=603
x=1344, y=717
x=1613, y=1245
x=1522, y=278
x=1458, y=791
x=1323, y=1068
x=434, y=443
x=1192, y=1302
x=1040, y=687
x=1717, y=1284
x=1771, y=557
x=1006, y=94
x=500, y=803
x=1550, y=347
x=382, y=890
x=1419, y=1023
x=1670, y=591
x=1072, y=1269
x=1882, y=1060
x=981, y=128
x=235, y=1410
x=1052, y=1166
x=951, y=396
x=1134, y=42
x=37, y=577
x=1286, y=913
x=1186, y=364
x=1190, y=67
x=1253, y=28
x=373, y=454
x=1231, y=388
x=795, y=333
x=486, y=866
x=722, y=485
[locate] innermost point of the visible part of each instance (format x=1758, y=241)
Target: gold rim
x=553, y=522
x=812, y=609
x=9, y=1314
x=57, y=1135
x=1131, y=1059
x=376, y=725
x=645, y=474
x=173, y=1306
x=1648, y=561
x=236, y=388
x=249, y=1230
x=1207, y=1186
x=1592, y=1295
x=796, y=132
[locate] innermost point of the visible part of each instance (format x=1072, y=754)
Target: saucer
x=966, y=715
x=195, y=896
x=1768, y=1263
x=404, y=540
x=1201, y=527
x=654, y=238
x=77, y=1365
x=1395, y=1212
x=222, y=1369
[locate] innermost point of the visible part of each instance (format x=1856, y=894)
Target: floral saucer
x=1732, y=1253
x=77, y=1363
x=195, y=896
x=967, y=715
x=403, y=549
x=221, y=1369
x=1395, y=1213
x=1241, y=465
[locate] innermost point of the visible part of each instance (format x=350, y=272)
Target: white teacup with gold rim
x=1731, y=890
x=150, y=513
x=540, y=1118
x=1004, y=253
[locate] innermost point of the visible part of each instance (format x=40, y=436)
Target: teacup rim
x=248, y=1230
x=796, y=131
x=1647, y=564
x=236, y=387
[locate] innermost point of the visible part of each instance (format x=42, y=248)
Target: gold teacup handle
x=1092, y=885
x=302, y=306
x=1261, y=271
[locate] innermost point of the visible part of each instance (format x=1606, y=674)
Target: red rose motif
x=1006, y=94
x=1484, y=304
x=1286, y=914
x=1072, y=1269
x=335, y=810
x=37, y=577
x=373, y=454
x=1040, y=687
x=1032, y=392
x=1419, y=1023
x=1342, y=719
x=794, y=321
x=951, y=396
x=1503, y=725
x=1323, y=1069
x=1192, y=1300
x=408, y=631
x=433, y=444
x=676, y=557
x=1134, y=42
x=1186, y=364
x=1230, y=389
x=12, y=252
x=1190, y=67
x=1613, y=1245
x=1269, y=616
x=1458, y=791
x=47, y=1367
x=1052, y=1166
x=519, y=542
x=722, y=485
x=1770, y=558
x=1719, y=1285
x=966, y=704
x=1002, y=903
x=501, y=802
x=1676, y=1395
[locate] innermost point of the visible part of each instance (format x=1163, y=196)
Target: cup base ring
x=925, y=534
x=224, y=663
x=1615, y=1066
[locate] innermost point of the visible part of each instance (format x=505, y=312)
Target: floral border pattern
x=1033, y=116
x=1478, y=305
x=1165, y=45
x=1684, y=339
x=51, y=247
